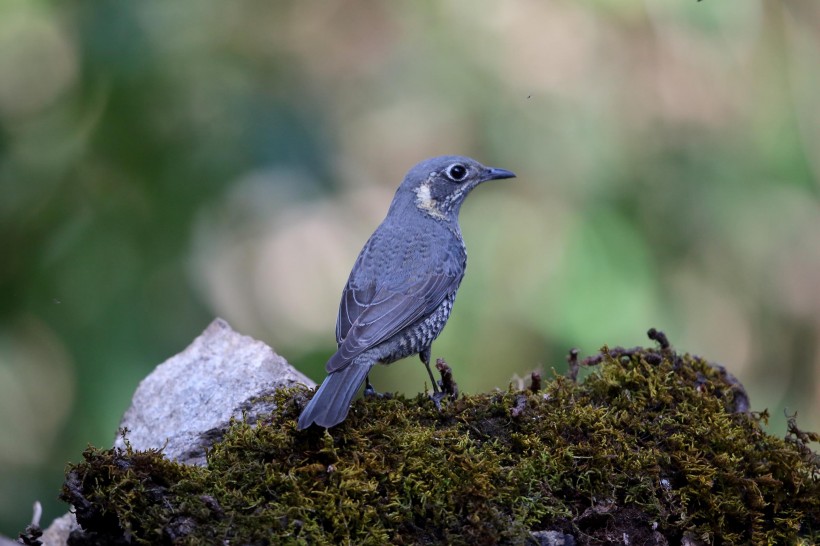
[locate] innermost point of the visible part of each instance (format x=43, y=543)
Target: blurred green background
x=163, y=163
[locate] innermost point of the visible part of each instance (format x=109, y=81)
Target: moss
x=648, y=445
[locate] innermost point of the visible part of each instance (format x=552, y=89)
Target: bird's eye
x=457, y=172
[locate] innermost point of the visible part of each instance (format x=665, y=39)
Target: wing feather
x=369, y=315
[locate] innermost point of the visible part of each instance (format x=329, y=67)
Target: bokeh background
x=163, y=163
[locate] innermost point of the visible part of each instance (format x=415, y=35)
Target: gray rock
x=57, y=533
x=551, y=538
x=187, y=402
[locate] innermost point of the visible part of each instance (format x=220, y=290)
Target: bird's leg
x=425, y=359
x=369, y=391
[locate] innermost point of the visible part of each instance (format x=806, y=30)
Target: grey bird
x=403, y=284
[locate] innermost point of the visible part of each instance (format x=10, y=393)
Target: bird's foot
x=437, y=397
x=370, y=392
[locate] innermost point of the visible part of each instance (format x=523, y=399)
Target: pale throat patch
x=426, y=203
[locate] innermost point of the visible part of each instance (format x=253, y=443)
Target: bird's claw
x=437, y=397
x=370, y=392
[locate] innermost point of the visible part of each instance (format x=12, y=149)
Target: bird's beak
x=496, y=174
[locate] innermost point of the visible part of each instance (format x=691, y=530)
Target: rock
x=57, y=533
x=187, y=402
x=551, y=538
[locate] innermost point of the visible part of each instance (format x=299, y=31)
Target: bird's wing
x=354, y=301
x=370, y=315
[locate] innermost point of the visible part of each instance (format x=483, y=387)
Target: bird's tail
x=330, y=404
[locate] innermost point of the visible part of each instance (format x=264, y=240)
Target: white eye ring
x=457, y=172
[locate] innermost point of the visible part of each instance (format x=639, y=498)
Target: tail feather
x=330, y=404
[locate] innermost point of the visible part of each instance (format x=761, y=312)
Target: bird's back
x=404, y=274
x=397, y=254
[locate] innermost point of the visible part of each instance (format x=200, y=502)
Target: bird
x=401, y=289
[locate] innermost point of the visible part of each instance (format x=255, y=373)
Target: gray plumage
x=403, y=285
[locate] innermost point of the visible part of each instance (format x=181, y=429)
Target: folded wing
x=370, y=315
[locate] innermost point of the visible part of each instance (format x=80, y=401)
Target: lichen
x=649, y=444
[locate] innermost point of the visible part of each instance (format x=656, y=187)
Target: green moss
x=648, y=443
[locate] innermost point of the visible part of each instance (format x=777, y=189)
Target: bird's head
x=439, y=185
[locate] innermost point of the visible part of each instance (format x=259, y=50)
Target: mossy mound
x=649, y=449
